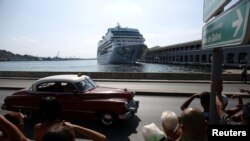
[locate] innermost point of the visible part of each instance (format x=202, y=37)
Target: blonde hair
x=170, y=121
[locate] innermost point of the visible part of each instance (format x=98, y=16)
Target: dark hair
x=50, y=109
x=14, y=118
x=59, y=133
x=205, y=100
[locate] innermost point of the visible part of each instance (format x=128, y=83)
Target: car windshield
x=86, y=85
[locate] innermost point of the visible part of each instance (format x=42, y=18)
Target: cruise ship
x=121, y=46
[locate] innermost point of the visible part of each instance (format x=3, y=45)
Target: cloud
x=24, y=39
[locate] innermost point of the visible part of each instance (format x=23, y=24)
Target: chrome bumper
x=131, y=108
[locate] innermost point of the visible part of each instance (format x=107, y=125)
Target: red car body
x=78, y=95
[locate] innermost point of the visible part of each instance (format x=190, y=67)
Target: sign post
x=215, y=75
x=229, y=28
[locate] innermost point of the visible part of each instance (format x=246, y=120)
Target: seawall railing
x=126, y=75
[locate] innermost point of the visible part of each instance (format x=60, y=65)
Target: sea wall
x=124, y=75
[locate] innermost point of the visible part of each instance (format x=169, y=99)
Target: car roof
x=67, y=78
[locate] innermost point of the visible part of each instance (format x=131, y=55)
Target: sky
x=73, y=28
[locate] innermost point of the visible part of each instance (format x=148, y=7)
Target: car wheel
x=107, y=119
x=28, y=113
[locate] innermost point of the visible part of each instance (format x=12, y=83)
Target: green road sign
x=229, y=28
x=212, y=7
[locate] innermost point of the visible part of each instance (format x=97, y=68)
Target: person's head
x=50, y=108
x=193, y=124
x=59, y=133
x=170, y=124
x=205, y=100
x=246, y=113
x=15, y=118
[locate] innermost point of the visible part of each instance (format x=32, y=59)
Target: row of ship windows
x=117, y=34
x=128, y=37
x=119, y=42
x=128, y=40
x=125, y=33
x=118, y=39
x=104, y=48
x=105, y=45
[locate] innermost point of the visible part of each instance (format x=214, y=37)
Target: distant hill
x=9, y=56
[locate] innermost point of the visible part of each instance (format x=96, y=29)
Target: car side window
x=61, y=87
x=68, y=87
x=58, y=87
x=46, y=87
x=87, y=85
x=84, y=85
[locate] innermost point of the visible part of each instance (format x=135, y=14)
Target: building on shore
x=191, y=53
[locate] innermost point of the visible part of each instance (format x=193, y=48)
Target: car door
x=29, y=104
x=72, y=100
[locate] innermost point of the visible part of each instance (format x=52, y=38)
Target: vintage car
x=78, y=95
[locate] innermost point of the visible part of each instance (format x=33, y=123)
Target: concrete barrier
x=124, y=75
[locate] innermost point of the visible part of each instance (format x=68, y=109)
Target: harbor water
x=93, y=66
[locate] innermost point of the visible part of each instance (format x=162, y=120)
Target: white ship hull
x=123, y=55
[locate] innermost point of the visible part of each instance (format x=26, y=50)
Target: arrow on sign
x=238, y=22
